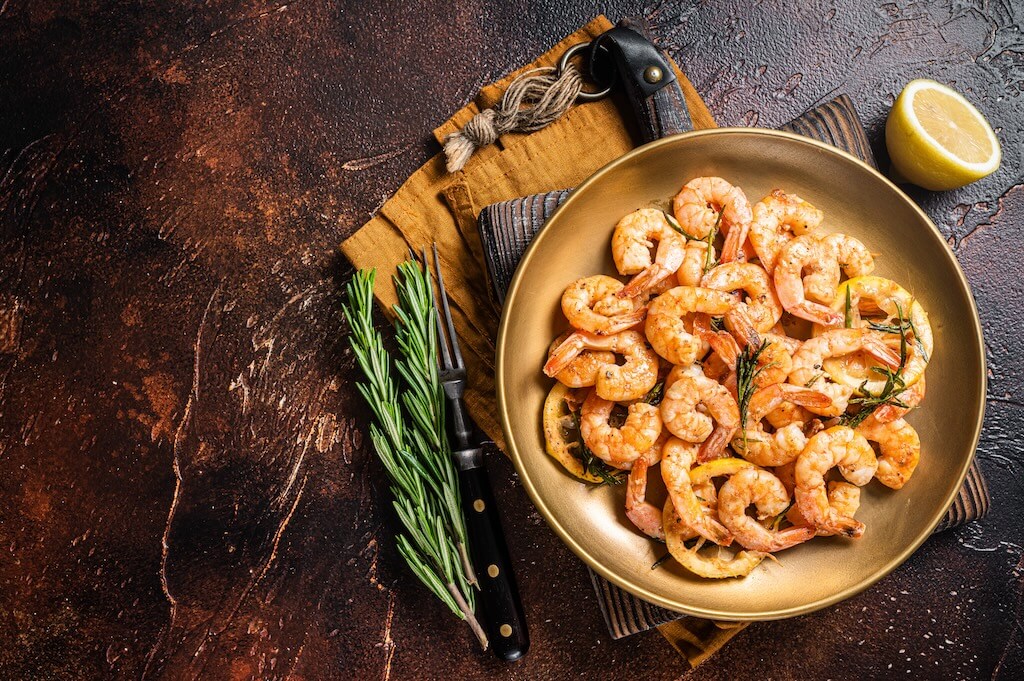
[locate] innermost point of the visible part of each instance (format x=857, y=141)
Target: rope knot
x=535, y=99
x=481, y=129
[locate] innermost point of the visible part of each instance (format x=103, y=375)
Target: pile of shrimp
x=746, y=451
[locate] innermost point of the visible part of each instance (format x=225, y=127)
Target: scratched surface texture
x=185, y=485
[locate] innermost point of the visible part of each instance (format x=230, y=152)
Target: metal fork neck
x=460, y=426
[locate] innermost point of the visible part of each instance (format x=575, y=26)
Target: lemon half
x=937, y=139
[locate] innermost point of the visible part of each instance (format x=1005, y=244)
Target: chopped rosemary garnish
x=591, y=464
x=709, y=262
x=746, y=371
x=655, y=394
x=894, y=384
x=718, y=324
x=848, y=318
x=658, y=563
x=814, y=379
x=674, y=224
x=778, y=519
x=594, y=466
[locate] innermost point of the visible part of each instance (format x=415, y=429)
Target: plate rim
x=592, y=561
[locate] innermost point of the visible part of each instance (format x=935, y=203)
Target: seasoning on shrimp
x=632, y=241
x=727, y=391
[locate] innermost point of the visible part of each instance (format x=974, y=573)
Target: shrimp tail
x=732, y=249
x=815, y=312
x=810, y=398
x=645, y=281
x=846, y=527
x=714, y=446
x=625, y=321
x=564, y=354
x=882, y=352
x=720, y=341
x=742, y=329
x=792, y=536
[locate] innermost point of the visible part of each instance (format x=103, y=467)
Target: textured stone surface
x=185, y=487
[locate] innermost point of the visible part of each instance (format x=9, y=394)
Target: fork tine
x=413, y=256
x=442, y=340
x=447, y=312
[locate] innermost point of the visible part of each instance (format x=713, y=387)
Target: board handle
x=648, y=79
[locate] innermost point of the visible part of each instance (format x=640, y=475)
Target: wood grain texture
x=174, y=179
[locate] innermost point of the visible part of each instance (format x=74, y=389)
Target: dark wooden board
x=174, y=180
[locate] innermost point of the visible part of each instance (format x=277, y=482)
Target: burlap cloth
x=435, y=206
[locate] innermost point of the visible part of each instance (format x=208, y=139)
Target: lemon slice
x=717, y=468
x=937, y=139
x=558, y=437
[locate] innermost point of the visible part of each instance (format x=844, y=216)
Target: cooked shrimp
x=767, y=494
x=634, y=237
x=619, y=383
x=697, y=207
x=683, y=412
x=669, y=321
x=776, y=219
x=676, y=460
x=618, y=447
x=899, y=449
x=643, y=514
x=761, y=306
x=811, y=254
x=707, y=495
x=838, y=446
x=853, y=257
x=784, y=445
x=695, y=261
x=788, y=413
x=809, y=361
x=774, y=361
x=582, y=372
x=882, y=303
x=842, y=496
x=590, y=304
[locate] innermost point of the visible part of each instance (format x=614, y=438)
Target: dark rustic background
x=185, y=488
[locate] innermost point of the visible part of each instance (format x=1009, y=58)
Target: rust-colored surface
x=185, y=488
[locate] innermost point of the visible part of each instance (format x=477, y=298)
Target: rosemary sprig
x=674, y=224
x=848, y=317
x=658, y=563
x=592, y=465
x=709, y=262
x=747, y=371
x=904, y=325
x=655, y=394
x=408, y=437
x=894, y=383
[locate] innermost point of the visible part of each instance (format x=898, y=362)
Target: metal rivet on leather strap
x=653, y=74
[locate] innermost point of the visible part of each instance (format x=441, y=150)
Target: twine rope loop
x=534, y=100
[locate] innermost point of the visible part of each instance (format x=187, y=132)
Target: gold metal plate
x=856, y=200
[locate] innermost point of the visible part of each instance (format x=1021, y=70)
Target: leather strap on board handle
x=647, y=77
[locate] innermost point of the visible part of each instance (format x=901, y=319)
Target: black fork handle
x=505, y=621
